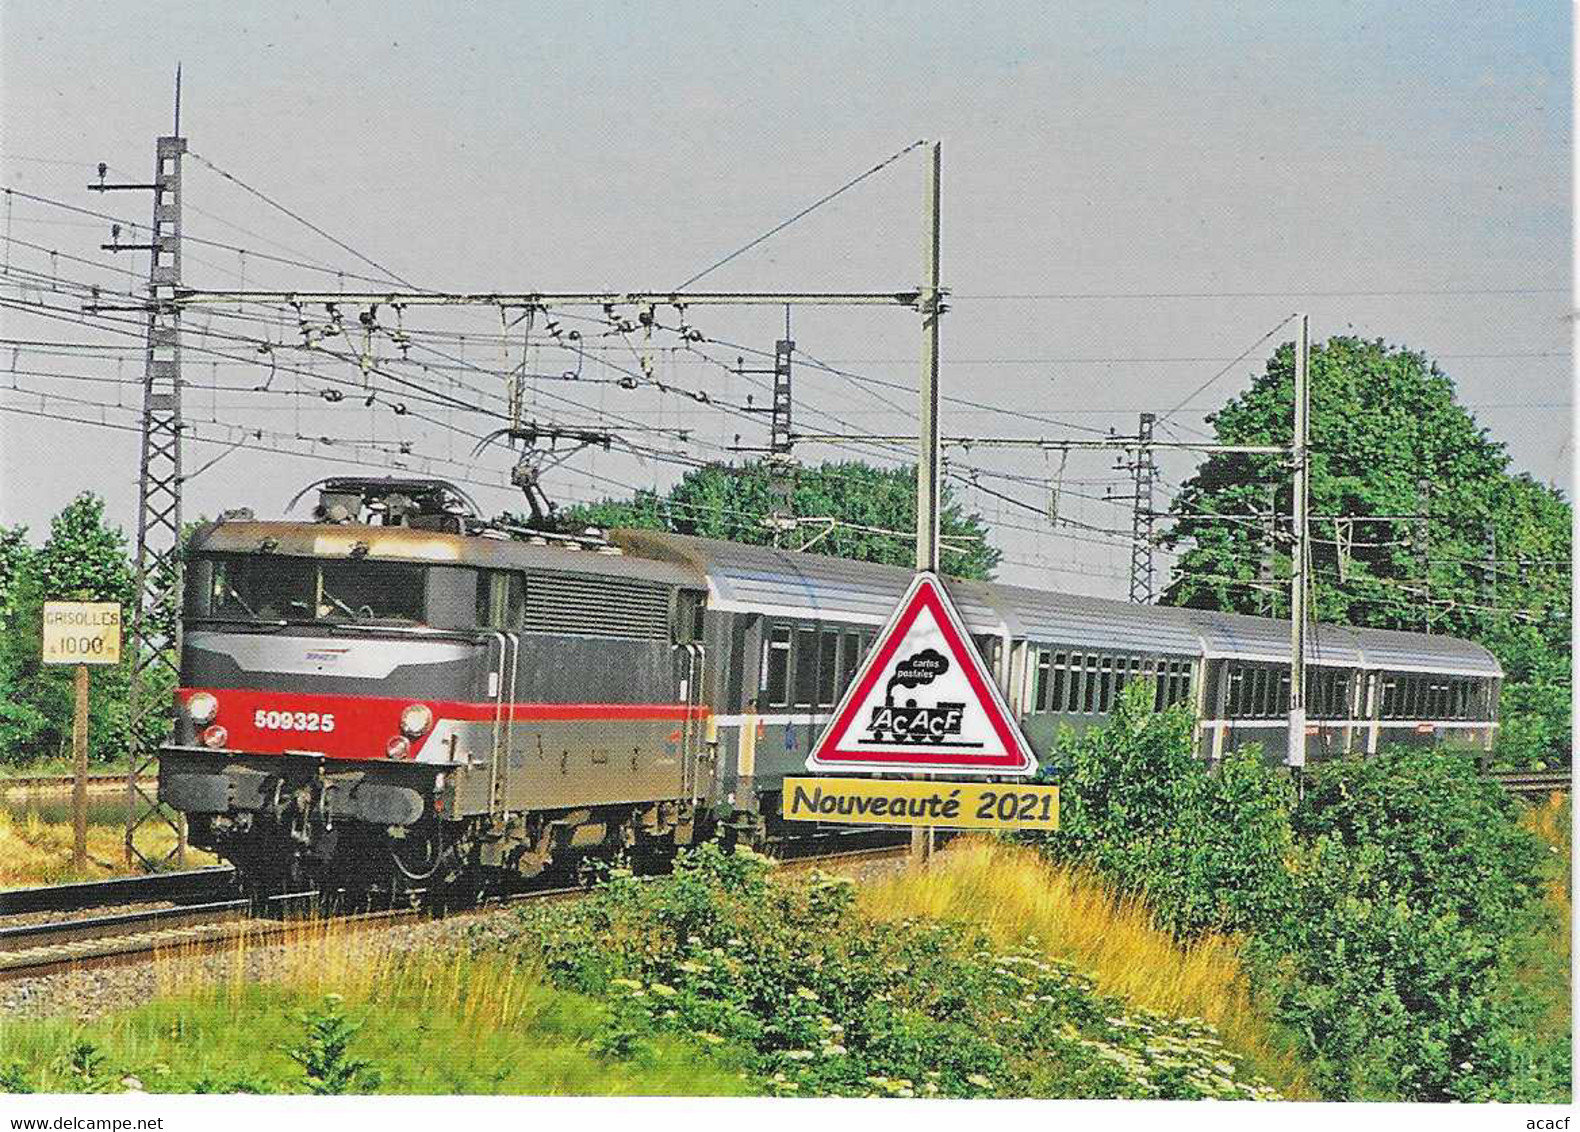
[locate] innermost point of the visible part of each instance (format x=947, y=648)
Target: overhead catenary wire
x=808, y=210
x=300, y=219
x=352, y=356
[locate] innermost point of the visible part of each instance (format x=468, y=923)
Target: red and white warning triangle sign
x=923, y=700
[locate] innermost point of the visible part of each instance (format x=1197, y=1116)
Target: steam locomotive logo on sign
x=923, y=701
x=938, y=725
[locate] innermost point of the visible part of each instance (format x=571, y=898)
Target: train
x=398, y=695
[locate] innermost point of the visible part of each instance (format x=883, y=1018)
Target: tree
x=1489, y=561
x=14, y=555
x=874, y=511
x=82, y=560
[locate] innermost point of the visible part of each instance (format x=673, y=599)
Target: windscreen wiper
x=248, y=623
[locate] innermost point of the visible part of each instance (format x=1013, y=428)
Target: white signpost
x=81, y=633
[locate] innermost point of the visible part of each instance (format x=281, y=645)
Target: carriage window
x=688, y=616
x=827, y=668
x=1258, y=705
x=1183, y=682
x=776, y=666
x=1060, y=678
x=805, y=666
x=1039, y=691
x=849, y=657
x=1105, y=694
x=1282, y=707
x=1340, y=703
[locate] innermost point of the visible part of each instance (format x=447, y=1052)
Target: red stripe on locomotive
x=260, y=721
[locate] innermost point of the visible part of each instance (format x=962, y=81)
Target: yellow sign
x=82, y=632
x=947, y=805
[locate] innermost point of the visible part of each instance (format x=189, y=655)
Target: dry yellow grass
x=1018, y=896
x=360, y=964
x=1551, y=821
x=35, y=851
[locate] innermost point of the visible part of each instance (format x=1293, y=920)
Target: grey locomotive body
x=407, y=703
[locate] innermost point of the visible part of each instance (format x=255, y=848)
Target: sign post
x=82, y=633
x=928, y=485
x=923, y=702
x=79, y=765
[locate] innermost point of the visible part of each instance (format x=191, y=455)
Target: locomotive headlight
x=202, y=708
x=398, y=747
x=215, y=737
x=415, y=719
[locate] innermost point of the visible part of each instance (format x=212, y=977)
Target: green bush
x=1447, y=838
x=324, y=1052
x=830, y=1003
x=1379, y=909
x=1205, y=850
x=1395, y=995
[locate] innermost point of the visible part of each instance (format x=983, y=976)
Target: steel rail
x=1533, y=785
x=28, y=951
x=207, y=884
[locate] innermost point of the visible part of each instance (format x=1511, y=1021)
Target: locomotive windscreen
x=279, y=588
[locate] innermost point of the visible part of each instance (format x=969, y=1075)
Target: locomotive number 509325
x=293, y=720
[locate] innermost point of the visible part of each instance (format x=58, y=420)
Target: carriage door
x=991, y=647
x=688, y=661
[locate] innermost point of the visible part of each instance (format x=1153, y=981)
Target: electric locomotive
x=396, y=703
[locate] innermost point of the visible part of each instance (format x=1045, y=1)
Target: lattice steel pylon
x=781, y=443
x=156, y=622
x=1145, y=470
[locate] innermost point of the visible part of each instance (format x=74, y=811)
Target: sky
x=1134, y=196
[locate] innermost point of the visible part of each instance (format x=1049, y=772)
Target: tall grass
x=1540, y=958
x=1016, y=895
x=36, y=851
x=430, y=1021
x=1552, y=822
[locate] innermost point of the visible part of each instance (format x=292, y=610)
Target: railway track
x=121, y=937
x=1533, y=785
x=191, y=886
x=58, y=782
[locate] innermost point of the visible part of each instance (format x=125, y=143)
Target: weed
x=85, y=1067
x=325, y=1052
x=823, y=1000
